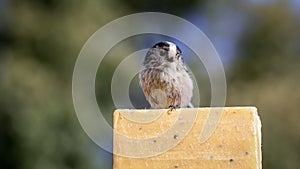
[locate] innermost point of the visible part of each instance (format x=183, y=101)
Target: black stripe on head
x=178, y=49
x=161, y=45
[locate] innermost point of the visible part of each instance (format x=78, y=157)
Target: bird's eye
x=178, y=55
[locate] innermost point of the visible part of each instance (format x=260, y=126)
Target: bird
x=164, y=77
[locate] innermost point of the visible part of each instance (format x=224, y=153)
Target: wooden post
x=161, y=139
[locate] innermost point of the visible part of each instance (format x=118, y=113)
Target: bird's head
x=168, y=50
x=163, y=54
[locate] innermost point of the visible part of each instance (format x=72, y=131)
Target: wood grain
x=236, y=142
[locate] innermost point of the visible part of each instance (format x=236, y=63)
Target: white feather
x=172, y=49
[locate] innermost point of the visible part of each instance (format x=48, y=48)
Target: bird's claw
x=173, y=107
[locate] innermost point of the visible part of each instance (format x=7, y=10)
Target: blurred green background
x=258, y=42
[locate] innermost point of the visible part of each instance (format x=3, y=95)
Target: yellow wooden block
x=161, y=139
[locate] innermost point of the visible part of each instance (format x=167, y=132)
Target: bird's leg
x=172, y=107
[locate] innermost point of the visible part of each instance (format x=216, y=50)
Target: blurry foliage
x=40, y=119
x=39, y=43
x=178, y=7
x=266, y=74
x=269, y=42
